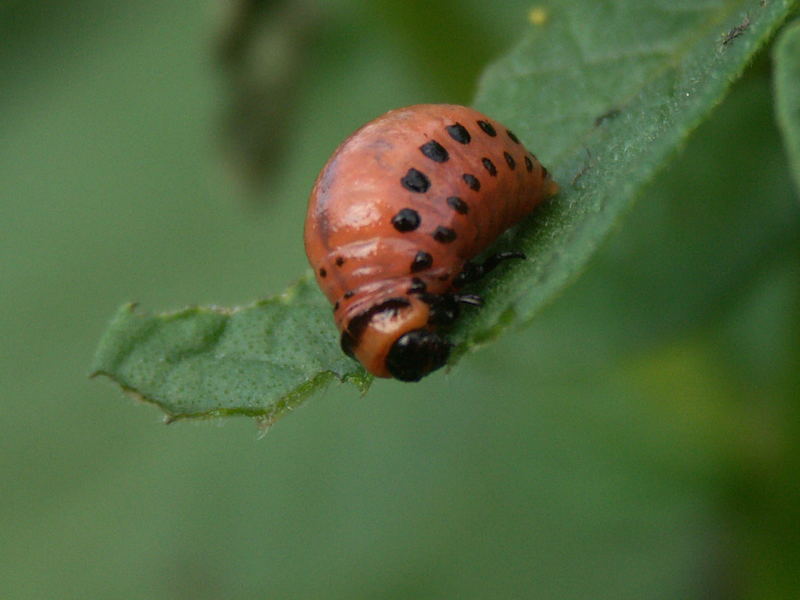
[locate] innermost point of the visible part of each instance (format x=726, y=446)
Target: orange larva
x=396, y=215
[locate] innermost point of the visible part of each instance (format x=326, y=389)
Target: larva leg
x=470, y=299
x=445, y=308
x=473, y=272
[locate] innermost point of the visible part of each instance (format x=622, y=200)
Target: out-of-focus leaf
x=420, y=24
x=263, y=48
x=604, y=93
x=787, y=94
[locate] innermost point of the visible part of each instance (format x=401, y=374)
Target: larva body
x=395, y=215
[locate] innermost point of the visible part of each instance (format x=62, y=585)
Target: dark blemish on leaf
x=607, y=116
x=459, y=133
x=586, y=166
x=434, y=151
x=471, y=181
x=416, y=181
x=736, y=31
x=405, y=220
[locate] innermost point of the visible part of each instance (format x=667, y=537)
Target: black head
x=417, y=353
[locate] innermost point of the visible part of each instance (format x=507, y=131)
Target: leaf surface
x=787, y=94
x=260, y=360
x=603, y=92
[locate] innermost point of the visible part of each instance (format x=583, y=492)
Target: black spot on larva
x=444, y=277
x=336, y=306
x=339, y=261
x=349, y=294
x=406, y=219
x=417, y=286
x=422, y=260
x=459, y=133
x=514, y=138
x=487, y=128
x=323, y=272
x=489, y=166
x=512, y=164
x=445, y=235
x=528, y=164
x=471, y=181
x=435, y=151
x=545, y=172
x=416, y=181
x=458, y=205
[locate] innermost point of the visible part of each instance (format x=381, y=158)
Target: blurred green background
x=640, y=440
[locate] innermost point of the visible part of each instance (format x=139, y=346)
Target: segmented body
x=400, y=208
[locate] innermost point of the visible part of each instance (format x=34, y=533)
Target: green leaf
x=685, y=252
x=261, y=360
x=604, y=93
x=264, y=49
x=787, y=94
